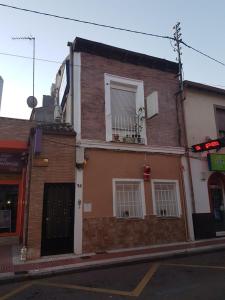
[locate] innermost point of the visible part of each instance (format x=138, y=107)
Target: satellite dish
x=32, y=102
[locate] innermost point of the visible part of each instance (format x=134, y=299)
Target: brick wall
x=161, y=130
x=15, y=129
x=60, y=152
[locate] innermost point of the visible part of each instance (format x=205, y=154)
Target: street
x=192, y=277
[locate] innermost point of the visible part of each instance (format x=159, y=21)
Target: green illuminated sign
x=216, y=162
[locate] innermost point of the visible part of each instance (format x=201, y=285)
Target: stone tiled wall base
x=101, y=234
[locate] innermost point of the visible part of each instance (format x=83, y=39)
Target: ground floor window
x=8, y=207
x=166, y=198
x=128, y=198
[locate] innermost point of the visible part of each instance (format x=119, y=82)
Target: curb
x=11, y=277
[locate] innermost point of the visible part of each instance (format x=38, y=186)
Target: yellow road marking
x=137, y=291
x=196, y=266
x=16, y=291
x=84, y=288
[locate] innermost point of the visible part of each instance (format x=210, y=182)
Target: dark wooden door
x=58, y=218
x=218, y=209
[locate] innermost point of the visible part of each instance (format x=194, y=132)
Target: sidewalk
x=12, y=269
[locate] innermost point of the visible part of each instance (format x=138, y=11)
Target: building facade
x=205, y=121
x=130, y=175
x=37, y=189
x=14, y=151
x=49, y=224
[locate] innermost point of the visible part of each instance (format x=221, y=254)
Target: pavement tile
x=6, y=263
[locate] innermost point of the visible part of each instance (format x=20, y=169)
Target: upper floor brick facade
x=114, y=89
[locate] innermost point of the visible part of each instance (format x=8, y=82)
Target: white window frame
x=138, y=85
x=177, y=194
x=142, y=190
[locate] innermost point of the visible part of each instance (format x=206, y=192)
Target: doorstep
x=220, y=233
x=69, y=256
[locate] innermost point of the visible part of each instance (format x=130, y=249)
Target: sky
x=202, y=26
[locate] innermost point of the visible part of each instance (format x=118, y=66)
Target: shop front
x=208, y=174
x=12, y=186
x=216, y=187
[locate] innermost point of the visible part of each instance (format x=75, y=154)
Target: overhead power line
x=111, y=27
x=86, y=22
x=60, y=63
x=202, y=53
x=29, y=57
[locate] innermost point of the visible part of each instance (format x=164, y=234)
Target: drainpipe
x=191, y=207
x=23, y=253
x=69, y=44
x=187, y=153
x=79, y=158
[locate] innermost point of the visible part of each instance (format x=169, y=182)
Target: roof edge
x=123, y=55
x=203, y=87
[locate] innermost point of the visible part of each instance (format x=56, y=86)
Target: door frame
x=43, y=235
x=216, y=181
x=19, y=212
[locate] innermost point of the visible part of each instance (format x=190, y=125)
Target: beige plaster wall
x=102, y=166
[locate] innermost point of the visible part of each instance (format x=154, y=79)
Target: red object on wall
x=147, y=172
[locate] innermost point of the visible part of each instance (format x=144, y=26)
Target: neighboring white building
x=204, y=108
x=1, y=89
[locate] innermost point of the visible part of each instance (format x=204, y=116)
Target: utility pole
x=177, y=48
x=190, y=200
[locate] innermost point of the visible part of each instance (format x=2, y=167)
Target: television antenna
x=31, y=38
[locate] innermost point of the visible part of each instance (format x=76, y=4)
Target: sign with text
x=216, y=162
x=210, y=145
x=11, y=162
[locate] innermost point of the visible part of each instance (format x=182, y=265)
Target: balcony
x=126, y=129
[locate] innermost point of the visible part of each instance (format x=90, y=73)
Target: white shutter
x=123, y=107
x=108, y=116
x=152, y=104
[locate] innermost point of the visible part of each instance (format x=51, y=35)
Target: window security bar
x=126, y=129
x=128, y=200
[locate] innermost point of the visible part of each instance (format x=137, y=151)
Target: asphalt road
x=192, y=277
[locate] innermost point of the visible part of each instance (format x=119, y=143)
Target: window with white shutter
x=124, y=107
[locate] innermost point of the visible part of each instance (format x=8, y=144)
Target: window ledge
x=130, y=219
x=168, y=218
x=128, y=140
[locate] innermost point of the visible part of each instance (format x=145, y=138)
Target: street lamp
x=31, y=38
